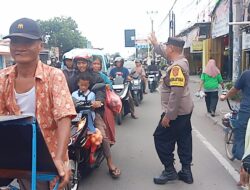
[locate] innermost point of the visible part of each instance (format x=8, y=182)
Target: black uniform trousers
x=180, y=132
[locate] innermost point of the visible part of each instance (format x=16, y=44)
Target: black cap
x=175, y=42
x=26, y=28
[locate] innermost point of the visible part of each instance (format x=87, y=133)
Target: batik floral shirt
x=53, y=100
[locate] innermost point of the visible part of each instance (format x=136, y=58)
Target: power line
x=168, y=13
x=190, y=6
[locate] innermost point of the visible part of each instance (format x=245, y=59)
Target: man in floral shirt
x=33, y=88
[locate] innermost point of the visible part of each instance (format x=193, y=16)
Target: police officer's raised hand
x=152, y=38
x=165, y=121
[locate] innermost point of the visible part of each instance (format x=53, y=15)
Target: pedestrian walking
x=175, y=123
x=210, y=80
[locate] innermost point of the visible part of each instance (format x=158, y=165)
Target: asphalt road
x=135, y=154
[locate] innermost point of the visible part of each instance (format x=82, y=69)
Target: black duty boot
x=186, y=175
x=169, y=174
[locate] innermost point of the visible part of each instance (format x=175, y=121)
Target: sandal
x=114, y=173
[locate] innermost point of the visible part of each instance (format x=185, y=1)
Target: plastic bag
x=200, y=94
x=113, y=101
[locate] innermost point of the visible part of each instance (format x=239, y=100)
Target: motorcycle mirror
x=98, y=86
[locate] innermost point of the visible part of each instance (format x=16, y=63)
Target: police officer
x=175, y=123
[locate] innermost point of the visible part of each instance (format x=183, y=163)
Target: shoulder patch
x=177, y=77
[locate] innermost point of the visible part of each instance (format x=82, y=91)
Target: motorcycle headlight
x=136, y=82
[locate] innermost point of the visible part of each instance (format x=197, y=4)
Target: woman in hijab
x=210, y=80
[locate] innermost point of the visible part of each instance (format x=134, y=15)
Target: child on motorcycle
x=83, y=93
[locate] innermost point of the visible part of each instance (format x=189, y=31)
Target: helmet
x=84, y=57
x=138, y=61
x=67, y=55
x=119, y=59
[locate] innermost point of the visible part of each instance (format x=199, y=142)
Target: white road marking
x=218, y=156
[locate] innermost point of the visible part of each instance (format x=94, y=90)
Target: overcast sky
x=102, y=22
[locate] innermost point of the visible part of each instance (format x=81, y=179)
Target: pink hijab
x=211, y=68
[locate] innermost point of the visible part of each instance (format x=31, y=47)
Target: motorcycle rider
x=55, y=62
x=119, y=61
x=141, y=72
x=69, y=71
x=154, y=67
x=83, y=62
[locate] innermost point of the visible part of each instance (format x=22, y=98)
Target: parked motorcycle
x=153, y=79
x=121, y=88
x=84, y=153
x=136, y=89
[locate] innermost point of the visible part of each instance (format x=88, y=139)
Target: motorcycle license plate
x=136, y=82
x=151, y=79
x=118, y=86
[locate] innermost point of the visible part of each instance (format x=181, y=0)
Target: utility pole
x=151, y=13
x=237, y=38
x=230, y=46
x=171, y=24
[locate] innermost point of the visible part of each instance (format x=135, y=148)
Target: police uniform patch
x=177, y=77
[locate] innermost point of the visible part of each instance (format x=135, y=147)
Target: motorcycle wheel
x=141, y=96
x=149, y=86
x=229, y=140
x=99, y=156
x=136, y=99
x=75, y=178
x=151, y=89
x=119, y=118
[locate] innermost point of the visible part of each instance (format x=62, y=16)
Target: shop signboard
x=141, y=43
x=197, y=46
x=245, y=40
x=191, y=36
x=220, y=19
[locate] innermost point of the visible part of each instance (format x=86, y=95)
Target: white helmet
x=119, y=59
x=67, y=55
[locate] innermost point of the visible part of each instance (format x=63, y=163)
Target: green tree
x=62, y=32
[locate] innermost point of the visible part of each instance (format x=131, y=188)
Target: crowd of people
x=48, y=93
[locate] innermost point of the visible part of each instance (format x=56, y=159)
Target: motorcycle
x=136, y=89
x=121, y=88
x=153, y=79
x=84, y=153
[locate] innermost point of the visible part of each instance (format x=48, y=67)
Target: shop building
x=194, y=48
x=220, y=42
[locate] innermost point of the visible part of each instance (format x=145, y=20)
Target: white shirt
x=89, y=95
x=27, y=102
